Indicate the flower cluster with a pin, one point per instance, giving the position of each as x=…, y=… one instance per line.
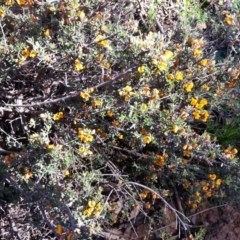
x=200, y=115
x=84, y=151
x=85, y=135
x=58, y=116
x=199, y=103
x=160, y=159
x=230, y=153
x=101, y=41
x=164, y=61
x=93, y=209
x=127, y=93
x=78, y=66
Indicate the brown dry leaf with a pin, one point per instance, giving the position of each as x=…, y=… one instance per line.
x=119, y=207
x=169, y=220
x=134, y=213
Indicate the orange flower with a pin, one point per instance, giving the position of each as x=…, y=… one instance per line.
x=2, y=13
x=212, y=176
x=59, y=229
x=170, y=76
x=7, y=160
x=109, y=113
x=204, y=62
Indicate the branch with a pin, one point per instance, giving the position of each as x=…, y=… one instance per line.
x=100, y=85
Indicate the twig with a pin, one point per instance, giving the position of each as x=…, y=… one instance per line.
x=4, y=37
x=75, y=94
x=178, y=214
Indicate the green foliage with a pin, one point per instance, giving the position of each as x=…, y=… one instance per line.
x=110, y=112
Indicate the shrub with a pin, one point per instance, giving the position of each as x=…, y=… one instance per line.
x=107, y=112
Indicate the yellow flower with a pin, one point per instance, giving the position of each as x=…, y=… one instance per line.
x=78, y=65
x=144, y=107
x=193, y=101
x=146, y=139
x=229, y=20
x=212, y=176
x=85, y=95
x=91, y=203
x=28, y=175
x=167, y=55
x=82, y=137
x=96, y=102
x=218, y=182
x=141, y=69
x=96, y=213
x=154, y=62
x=170, y=76
x=155, y=93
x=188, y=86
x=33, y=54
x=206, y=87
x=128, y=89
x=50, y=146
x=87, y=212
x=58, y=116
x=9, y=2
x=179, y=76
x=203, y=101
x=47, y=32
x=102, y=43
x=204, y=116
x=204, y=62
x=98, y=206
x=196, y=114
x=59, y=229
x=89, y=138
x=162, y=66
x=175, y=128
x=82, y=149
x=2, y=13
x=67, y=173
x=120, y=136
x=81, y=14
x=197, y=52
x=47, y=58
